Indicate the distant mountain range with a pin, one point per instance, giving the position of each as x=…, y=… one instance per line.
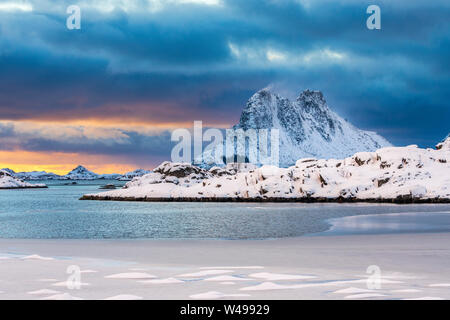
x=308, y=128
x=79, y=173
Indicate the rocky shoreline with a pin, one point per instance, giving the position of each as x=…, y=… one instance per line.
x=398, y=200
x=29, y=187
x=389, y=175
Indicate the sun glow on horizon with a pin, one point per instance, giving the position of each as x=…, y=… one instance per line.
x=61, y=163
x=23, y=133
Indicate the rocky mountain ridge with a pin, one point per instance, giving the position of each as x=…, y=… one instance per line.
x=307, y=128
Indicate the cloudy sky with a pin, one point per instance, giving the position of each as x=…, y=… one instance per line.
x=107, y=95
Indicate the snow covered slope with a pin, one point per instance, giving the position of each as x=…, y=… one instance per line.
x=110, y=176
x=7, y=181
x=37, y=175
x=133, y=174
x=81, y=173
x=10, y=171
x=444, y=144
x=307, y=128
x=33, y=175
x=394, y=174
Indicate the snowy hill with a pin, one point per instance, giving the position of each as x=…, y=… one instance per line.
x=7, y=181
x=11, y=172
x=307, y=128
x=391, y=174
x=110, y=176
x=133, y=174
x=81, y=173
x=33, y=175
x=37, y=175
x=444, y=144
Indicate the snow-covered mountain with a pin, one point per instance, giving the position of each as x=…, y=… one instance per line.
x=38, y=175
x=110, y=176
x=81, y=173
x=444, y=144
x=8, y=170
x=33, y=175
x=307, y=128
x=8, y=181
x=133, y=174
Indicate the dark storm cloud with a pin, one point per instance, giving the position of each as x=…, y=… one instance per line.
x=135, y=145
x=174, y=63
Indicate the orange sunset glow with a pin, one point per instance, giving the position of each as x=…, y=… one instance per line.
x=79, y=138
x=61, y=163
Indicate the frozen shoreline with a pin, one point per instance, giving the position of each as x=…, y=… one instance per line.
x=321, y=267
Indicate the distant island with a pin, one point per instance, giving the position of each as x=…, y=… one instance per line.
x=79, y=173
x=7, y=181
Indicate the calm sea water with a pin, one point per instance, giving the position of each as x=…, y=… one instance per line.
x=57, y=213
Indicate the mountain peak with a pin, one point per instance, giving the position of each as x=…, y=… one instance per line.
x=81, y=173
x=307, y=127
x=259, y=111
x=311, y=95
x=310, y=100
x=264, y=94
x=10, y=171
x=80, y=168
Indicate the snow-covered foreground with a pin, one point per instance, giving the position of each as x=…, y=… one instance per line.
x=401, y=266
x=9, y=182
x=394, y=174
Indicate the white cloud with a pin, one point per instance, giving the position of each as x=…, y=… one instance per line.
x=204, y=2
x=15, y=6
x=324, y=55
x=107, y=6
x=273, y=55
x=63, y=132
x=267, y=57
x=234, y=50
